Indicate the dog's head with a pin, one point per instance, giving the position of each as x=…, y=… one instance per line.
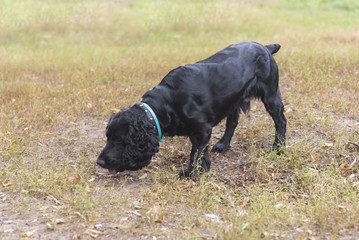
x=131, y=141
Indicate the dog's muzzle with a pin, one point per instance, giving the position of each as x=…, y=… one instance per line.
x=101, y=162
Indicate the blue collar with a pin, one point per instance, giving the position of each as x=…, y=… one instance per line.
x=155, y=119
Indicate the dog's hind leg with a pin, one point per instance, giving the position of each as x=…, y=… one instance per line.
x=274, y=106
x=232, y=120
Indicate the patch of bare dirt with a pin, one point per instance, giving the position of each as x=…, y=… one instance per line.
x=35, y=221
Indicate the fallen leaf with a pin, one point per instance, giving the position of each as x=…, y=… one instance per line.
x=77, y=178
x=48, y=134
x=6, y=184
x=327, y=145
x=60, y=221
x=341, y=207
x=80, y=215
x=304, y=219
x=143, y=176
x=93, y=219
x=345, y=169
x=93, y=233
x=159, y=219
x=216, y=186
x=27, y=234
x=42, y=144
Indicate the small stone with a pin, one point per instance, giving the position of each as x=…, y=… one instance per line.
x=98, y=227
x=49, y=226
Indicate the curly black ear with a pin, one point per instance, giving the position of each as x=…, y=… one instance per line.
x=142, y=139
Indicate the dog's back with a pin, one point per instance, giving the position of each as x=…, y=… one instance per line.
x=210, y=89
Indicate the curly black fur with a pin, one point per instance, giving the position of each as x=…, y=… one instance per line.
x=132, y=140
x=190, y=100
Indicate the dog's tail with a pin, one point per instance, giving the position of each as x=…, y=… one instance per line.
x=273, y=48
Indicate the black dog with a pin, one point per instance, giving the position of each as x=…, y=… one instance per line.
x=189, y=101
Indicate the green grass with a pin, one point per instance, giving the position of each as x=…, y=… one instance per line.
x=64, y=65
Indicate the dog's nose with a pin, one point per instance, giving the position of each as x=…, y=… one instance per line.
x=100, y=162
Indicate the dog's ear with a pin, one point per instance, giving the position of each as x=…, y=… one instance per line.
x=118, y=126
x=142, y=138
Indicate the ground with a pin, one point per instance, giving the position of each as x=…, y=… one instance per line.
x=42, y=218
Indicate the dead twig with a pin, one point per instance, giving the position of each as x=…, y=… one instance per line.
x=355, y=144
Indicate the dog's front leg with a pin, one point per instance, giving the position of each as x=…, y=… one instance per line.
x=200, y=161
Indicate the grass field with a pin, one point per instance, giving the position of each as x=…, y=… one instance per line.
x=64, y=65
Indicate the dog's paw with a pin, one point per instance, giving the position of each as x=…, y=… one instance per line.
x=278, y=149
x=192, y=174
x=183, y=174
x=219, y=148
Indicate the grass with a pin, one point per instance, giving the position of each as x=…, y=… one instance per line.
x=65, y=64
